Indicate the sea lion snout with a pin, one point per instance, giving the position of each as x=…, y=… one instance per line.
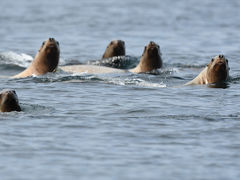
x=120, y=42
x=220, y=65
x=152, y=43
x=221, y=56
x=221, y=61
x=153, y=49
x=120, y=45
x=51, y=39
x=52, y=46
x=52, y=42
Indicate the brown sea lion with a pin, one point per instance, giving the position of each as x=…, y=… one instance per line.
x=150, y=60
x=115, y=48
x=46, y=60
x=217, y=71
x=9, y=101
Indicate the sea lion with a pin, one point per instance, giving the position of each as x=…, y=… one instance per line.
x=115, y=48
x=46, y=60
x=217, y=71
x=9, y=101
x=150, y=60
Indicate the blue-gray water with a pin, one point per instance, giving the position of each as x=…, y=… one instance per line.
x=121, y=126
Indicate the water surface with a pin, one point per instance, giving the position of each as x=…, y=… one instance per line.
x=121, y=126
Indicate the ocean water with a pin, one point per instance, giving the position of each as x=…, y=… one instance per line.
x=121, y=126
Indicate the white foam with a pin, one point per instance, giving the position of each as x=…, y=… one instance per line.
x=136, y=82
x=21, y=59
x=62, y=61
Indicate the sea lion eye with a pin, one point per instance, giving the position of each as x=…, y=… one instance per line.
x=212, y=59
x=43, y=43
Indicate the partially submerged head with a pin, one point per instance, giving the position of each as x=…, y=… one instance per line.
x=151, y=58
x=9, y=101
x=115, y=48
x=218, y=69
x=47, y=58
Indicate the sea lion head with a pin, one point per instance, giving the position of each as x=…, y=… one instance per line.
x=115, y=48
x=151, y=58
x=218, y=69
x=9, y=101
x=48, y=54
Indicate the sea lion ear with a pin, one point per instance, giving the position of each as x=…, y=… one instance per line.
x=212, y=59
x=227, y=61
x=111, y=42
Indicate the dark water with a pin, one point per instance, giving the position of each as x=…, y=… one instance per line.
x=121, y=126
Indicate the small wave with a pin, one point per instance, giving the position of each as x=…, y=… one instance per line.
x=59, y=77
x=15, y=59
x=222, y=85
x=10, y=67
x=163, y=71
x=135, y=82
x=33, y=109
x=234, y=79
x=126, y=79
x=179, y=65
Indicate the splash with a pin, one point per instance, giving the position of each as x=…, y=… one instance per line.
x=12, y=58
x=121, y=62
x=135, y=82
